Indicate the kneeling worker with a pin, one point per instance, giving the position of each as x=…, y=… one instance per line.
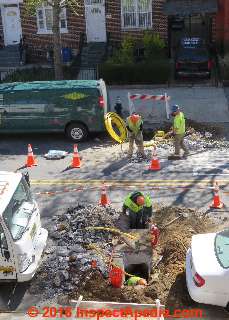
x=139, y=209
x=134, y=125
x=134, y=281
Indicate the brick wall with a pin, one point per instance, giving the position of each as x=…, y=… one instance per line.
x=39, y=44
x=159, y=21
x=222, y=24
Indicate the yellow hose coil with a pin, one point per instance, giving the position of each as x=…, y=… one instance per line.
x=112, y=119
x=128, y=235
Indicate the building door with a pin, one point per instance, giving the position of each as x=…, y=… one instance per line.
x=95, y=20
x=11, y=24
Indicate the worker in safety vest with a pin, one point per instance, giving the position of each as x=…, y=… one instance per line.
x=134, y=281
x=178, y=131
x=139, y=209
x=134, y=125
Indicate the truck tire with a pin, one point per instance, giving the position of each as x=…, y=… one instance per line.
x=76, y=131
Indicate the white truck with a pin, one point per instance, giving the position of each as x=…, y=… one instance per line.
x=22, y=240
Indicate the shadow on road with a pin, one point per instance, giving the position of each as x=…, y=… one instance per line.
x=16, y=144
x=11, y=295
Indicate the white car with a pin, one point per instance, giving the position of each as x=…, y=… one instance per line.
x=207, y=268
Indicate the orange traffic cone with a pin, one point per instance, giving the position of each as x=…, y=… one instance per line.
x=76, y=159
x=30, y=157
x=155, y=164
x=216, y=204
x=104, y=200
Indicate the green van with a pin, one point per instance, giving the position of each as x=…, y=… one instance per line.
x=72, y=106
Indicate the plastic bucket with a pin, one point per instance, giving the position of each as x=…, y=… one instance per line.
x=116, y=277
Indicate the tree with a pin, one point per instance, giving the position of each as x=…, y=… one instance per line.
x=57, y=5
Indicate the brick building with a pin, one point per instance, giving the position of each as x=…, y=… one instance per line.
x=96, y=19
x=222, y=25
x=100, y=19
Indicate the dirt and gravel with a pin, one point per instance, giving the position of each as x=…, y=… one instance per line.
x=167, y=279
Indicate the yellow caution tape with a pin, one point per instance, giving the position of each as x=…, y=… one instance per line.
x=112, y=120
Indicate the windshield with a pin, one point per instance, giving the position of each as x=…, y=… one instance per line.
x=19, y=211
x=222, y=248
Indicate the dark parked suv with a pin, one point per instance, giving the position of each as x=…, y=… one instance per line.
x=193, y=59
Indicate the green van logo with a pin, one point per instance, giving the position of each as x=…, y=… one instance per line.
x=75, y=96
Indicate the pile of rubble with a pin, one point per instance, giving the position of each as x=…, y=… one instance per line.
x=68, y=256
x=67, y=270
x=168, y=272
x=195, y=141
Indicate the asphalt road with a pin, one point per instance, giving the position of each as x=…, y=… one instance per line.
x=186, y=182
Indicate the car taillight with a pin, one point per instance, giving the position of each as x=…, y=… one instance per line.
x=209, y=64
x=177, y=65
x=101, y=102
x=198, y=280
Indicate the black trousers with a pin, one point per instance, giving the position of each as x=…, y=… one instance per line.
x=137, y=220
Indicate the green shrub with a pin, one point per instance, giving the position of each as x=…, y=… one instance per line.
x=124, y=55
x=154, y=46
x=142, y=73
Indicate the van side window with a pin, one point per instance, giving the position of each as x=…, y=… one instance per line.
x=3, y=241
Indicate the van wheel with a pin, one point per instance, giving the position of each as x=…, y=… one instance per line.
x=76, y=132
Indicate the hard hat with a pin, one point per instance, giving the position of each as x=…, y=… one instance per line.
x=175, y=108
x=142, y=282
x=140, y=200
x=134, y=117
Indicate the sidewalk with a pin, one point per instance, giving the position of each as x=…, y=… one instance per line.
x=201, y=104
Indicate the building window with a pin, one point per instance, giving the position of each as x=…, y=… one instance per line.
x=136, y=14
x=45, y=19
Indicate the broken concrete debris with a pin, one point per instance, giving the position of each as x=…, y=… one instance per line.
x=67, y=269
x=67, y=259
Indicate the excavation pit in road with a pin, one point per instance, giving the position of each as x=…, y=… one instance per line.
x=135, y=256
x=140, y=270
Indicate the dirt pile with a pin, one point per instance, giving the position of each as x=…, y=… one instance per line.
x=167, y=279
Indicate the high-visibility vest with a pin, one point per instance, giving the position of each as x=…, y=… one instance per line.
x=135, y=207
x=134, y=127
x=132, y=281
x=179, y=123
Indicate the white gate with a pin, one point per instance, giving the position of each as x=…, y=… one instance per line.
x=95, y=20
x=147, y=97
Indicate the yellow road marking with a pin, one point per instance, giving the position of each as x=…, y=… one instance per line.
x=125, y=182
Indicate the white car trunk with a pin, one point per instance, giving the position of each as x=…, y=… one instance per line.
x=203, y=255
